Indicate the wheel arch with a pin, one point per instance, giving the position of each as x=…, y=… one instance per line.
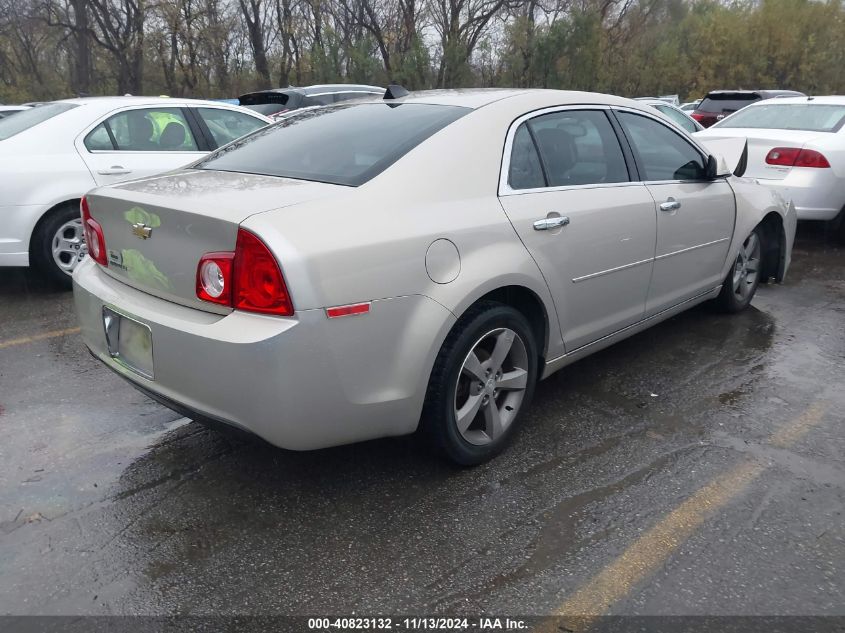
x=45, y=216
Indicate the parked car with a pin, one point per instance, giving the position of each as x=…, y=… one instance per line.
x=720, y=103
x=367, y=268
x=52, y=154
x=690, y=106
x=676, y=115
x=277, y=100
x=796, y=146
x=9, y=110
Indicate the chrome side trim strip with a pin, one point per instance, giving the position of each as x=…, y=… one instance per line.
x=611, y=270
x=691, y=248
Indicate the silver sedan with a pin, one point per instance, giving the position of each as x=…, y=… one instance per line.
x=414, y=263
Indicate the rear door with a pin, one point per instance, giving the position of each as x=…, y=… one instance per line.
x=567, y=191
x=695, y=218
x=139, y=141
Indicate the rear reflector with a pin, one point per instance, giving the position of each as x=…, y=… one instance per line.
x=796, y=157
x=94, y=238
x=349, y=310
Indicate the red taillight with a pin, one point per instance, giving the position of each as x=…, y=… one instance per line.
x=93, y=235
x=248, y=279
x=697, y=116
x=796, y=157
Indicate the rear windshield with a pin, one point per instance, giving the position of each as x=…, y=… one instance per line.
x=26, y=119
x=790, y=116
x=726, y=102
x=342, y=144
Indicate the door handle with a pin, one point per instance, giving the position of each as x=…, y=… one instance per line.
x=670, y=205
x=551, y=223
x=114, y=170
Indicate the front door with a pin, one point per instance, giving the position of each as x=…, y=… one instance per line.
x=695, y=217
x=591, y=230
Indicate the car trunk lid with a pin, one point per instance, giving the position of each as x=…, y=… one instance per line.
x=157, y=229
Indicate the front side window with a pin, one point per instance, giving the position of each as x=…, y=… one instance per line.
x=342, y=144
x=227, y=125
x=150, y=130
x=26, y=119
x=662, y=153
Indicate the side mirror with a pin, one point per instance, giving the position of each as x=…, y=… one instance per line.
x=712, y=168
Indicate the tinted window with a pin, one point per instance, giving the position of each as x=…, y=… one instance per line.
x=349, y=96
x=662, y=153
x=98, y=139
x=790, y=116
x=267, y=108
x=343, y=144
x=728, y=102
x=578, y=148
x=317, y=100
x=152, y=130
x=679, y=118
x=26, y=119
x=227, y=125
x=525, y=171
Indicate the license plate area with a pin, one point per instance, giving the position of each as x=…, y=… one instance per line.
x=129, y=342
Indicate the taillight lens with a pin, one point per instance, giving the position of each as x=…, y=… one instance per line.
x=697, y=116
x=796, y=157
x=248, y=279
x=94, y=237
x=214, y=278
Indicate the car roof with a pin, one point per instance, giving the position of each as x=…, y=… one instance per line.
x=762, y=93
x=133, y=100
x=822, y=100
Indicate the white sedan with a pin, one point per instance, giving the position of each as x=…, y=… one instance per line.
x=52, y=154
x=796, y=146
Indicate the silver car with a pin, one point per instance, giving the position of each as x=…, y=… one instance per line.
x=419, y=262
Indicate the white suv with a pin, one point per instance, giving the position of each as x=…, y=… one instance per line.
x=52, y=154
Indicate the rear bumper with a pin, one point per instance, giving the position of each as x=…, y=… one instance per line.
x=301, y=383
x=817, y=193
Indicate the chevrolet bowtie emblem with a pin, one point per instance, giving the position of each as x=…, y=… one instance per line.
x=139, y=229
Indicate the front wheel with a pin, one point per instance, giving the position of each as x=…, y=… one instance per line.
x=741, y=283
x=483, y=378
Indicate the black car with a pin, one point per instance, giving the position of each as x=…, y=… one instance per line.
x=270, y=102
x=720, y=103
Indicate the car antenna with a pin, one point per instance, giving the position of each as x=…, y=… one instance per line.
x=395, y=91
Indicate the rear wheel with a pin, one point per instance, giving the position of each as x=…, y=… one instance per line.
x=483, y=379
x=741, y=283
x=59, y=244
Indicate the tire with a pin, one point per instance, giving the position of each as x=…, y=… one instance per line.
x=837, y=227
x=743, y=278
x=59, y=230
x=453, y=387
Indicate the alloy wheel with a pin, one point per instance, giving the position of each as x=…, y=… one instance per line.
x=491, y=386
x=747, y=267
x=68, y=246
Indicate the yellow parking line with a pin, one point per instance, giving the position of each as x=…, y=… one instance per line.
x=38, y=337
x=643, y=557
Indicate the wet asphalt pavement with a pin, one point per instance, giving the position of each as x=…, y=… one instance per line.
x=697, y=468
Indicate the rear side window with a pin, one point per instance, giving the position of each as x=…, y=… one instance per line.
x=662, y=153
x=578, y=148
x=227, y=125
x=525, y=169
x=98, y=139
x=790, y=116
x=11, y=125
x=342, y=144
x=150, y=130
x=726, y=103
